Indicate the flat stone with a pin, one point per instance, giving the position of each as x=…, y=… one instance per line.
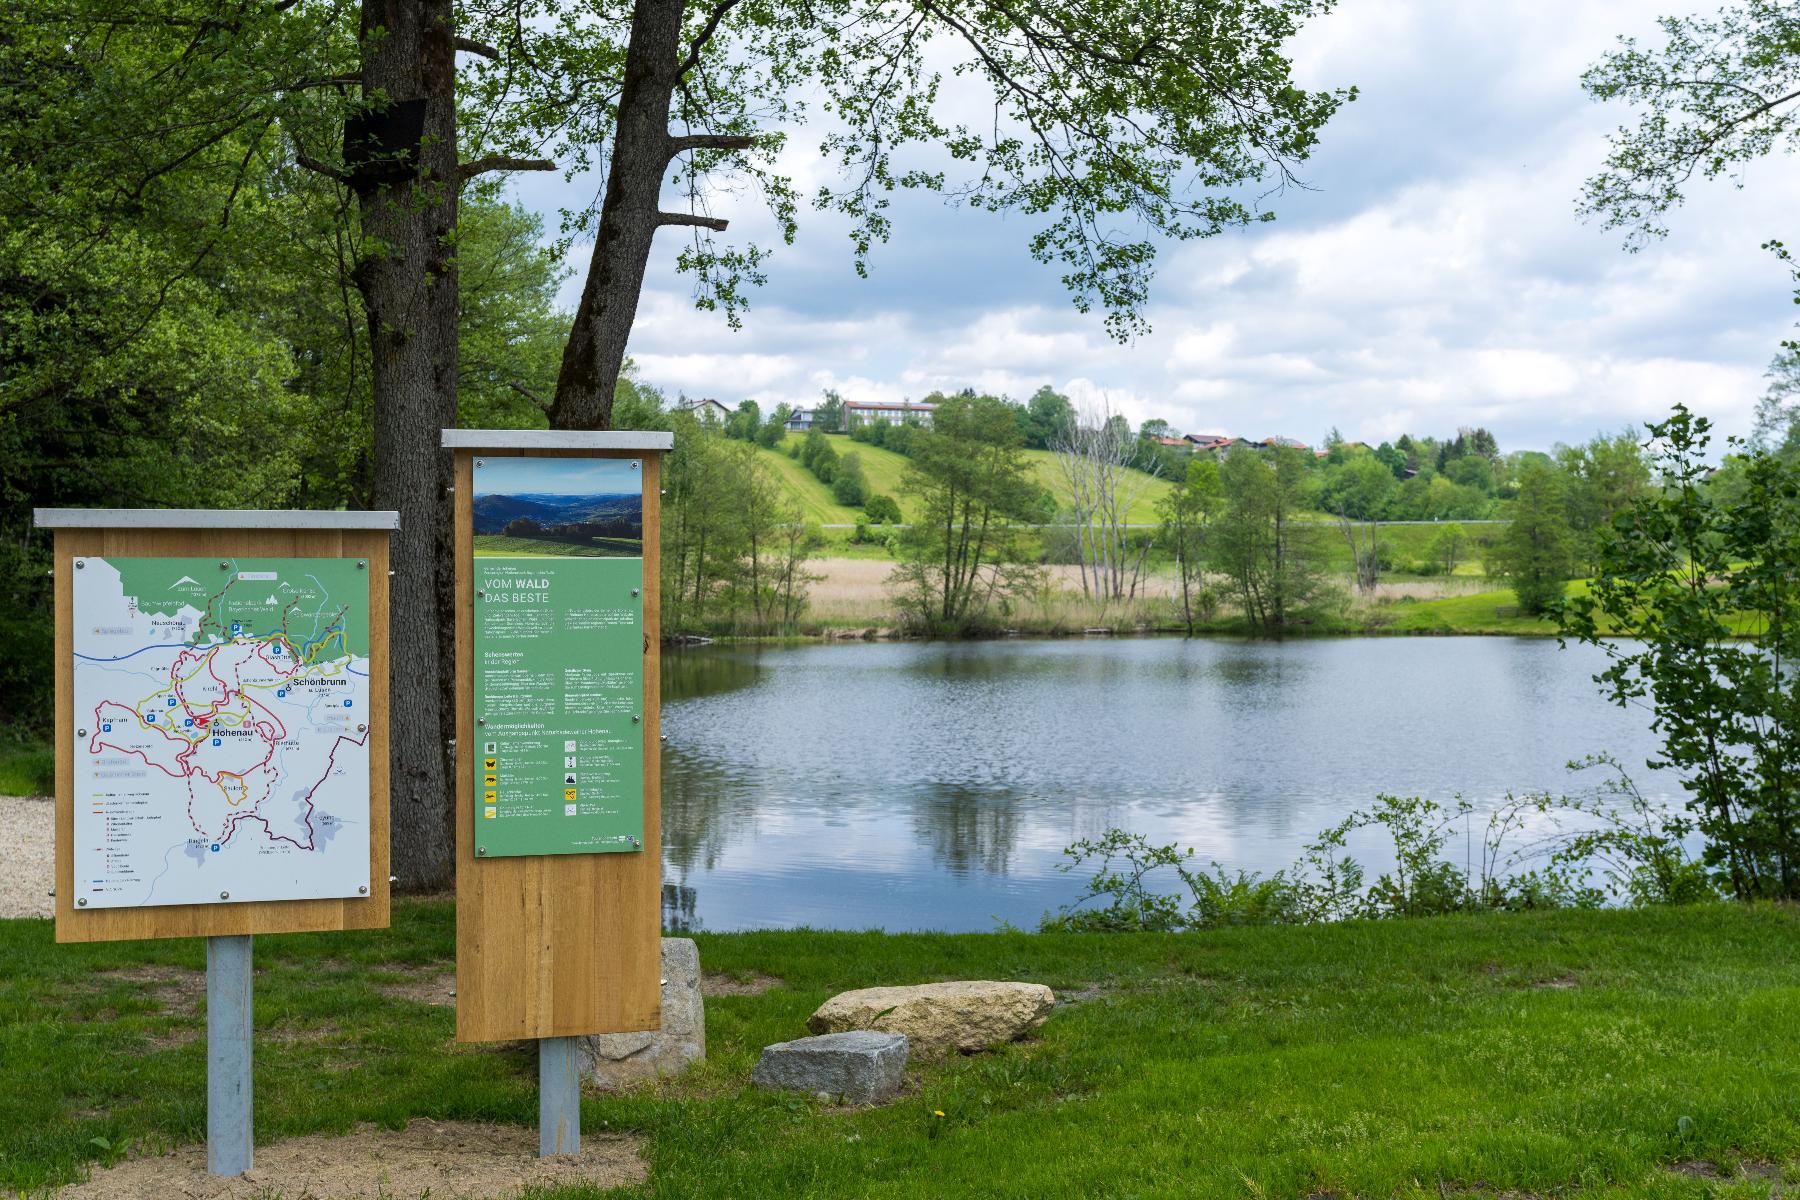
x=941, y=1018
x=858, y=1067
x=621, y=1059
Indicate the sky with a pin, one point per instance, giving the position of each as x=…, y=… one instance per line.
x=1434, y=275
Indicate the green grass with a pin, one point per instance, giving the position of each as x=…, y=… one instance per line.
x=884, y=469
x=1478, y=612
x=1563, y=1054
x=27, y=767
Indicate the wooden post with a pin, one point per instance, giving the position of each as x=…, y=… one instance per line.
x=555, y=945
x=134, y=904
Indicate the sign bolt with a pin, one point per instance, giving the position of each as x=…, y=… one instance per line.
x=361, y=563
x=634, y=591
x=363, y=890
x=362, y=729
x=79, y=564
x=81, y=903
x=481, y=849
x=480, y=592
x=224, y=895
x=481, y=720
x=635, y=464
x=81, y=733
x=478, y=462
x=636, y=717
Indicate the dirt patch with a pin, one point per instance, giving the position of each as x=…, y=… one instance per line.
x=1696, y=1168
x=422, y=985
x=745, y=983
x=448, y=1161
x=178, y=991
x=1562, y=983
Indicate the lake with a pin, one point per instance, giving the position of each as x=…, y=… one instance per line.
x=933, y=785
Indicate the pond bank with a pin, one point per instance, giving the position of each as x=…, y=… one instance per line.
x=1646, y=1053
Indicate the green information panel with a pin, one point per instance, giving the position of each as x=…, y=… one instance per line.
x=559, y=656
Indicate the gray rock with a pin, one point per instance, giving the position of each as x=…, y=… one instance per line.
x=622, y=1059
x=858, y=1067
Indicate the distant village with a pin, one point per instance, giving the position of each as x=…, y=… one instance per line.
x=918, y=412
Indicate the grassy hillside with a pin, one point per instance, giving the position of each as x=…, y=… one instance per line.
x=884, y=469
x=1586, y=1055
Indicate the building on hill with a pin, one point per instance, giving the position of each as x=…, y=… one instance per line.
x=1208, y=441
x=1283, y=443
x=800, y=420
x=706, y=409
x=1176, y=443
x=905, y=412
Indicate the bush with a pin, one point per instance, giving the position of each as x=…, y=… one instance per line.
x=848, y=485
x=881, y=510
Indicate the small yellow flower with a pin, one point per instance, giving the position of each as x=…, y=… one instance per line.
x=937, y=1112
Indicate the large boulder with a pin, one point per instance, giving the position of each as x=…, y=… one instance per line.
x=859, y=1067
x=622, y=1059
x=940, y=1018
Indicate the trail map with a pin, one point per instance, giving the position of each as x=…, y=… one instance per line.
x=222, y=714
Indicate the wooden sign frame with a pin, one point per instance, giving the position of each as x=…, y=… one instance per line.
x=191, y=533
x=554, y=946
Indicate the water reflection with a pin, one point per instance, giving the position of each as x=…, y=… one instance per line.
x=935, y=785
x=968, y=829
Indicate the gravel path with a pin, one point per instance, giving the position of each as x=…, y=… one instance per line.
x=26, y=825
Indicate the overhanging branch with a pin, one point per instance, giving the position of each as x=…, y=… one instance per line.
x=711, y=141
x=325, y=169
x=475, y=47
x=501, y=162
x=716, y=224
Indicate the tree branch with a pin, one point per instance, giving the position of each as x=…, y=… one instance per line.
x=711, y=27
x=716, y=224
x=530, y=395
x=325, y=169
x=711, y=141
x=500, y=162
x=475, y=47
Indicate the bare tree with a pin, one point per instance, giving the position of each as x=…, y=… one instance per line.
x=1096, y=454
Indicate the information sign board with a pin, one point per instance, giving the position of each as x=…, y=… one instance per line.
x=558, y=655
x=222, y=748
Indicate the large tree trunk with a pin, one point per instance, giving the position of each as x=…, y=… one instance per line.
x=629, y=217
x=408, y=284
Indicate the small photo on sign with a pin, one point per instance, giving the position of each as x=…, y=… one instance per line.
x=490, y=812
x=568, y=810
x=559, y=508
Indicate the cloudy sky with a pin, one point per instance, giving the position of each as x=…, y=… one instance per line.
x=1436, y=275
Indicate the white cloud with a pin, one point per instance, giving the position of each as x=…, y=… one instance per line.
x=1436, y=277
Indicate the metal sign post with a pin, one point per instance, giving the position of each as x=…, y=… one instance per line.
x=230, y=1146
x=558, y=868
x=235, y=782
x=559, y=1096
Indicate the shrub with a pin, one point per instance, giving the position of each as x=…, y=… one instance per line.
x=881, y=510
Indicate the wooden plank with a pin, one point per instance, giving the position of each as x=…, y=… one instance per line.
x=208, y=920
x=557, y=945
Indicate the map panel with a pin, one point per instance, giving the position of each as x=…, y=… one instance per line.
x=222, y=748
x=559, y=656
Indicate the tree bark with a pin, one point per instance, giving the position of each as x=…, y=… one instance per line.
x=408, y=283
x=629, y=218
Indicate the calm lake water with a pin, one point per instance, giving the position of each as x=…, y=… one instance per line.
x=934, y=785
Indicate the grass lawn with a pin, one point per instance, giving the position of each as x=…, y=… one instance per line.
x=1480, y=612
x=1643, y=1054
x=884, y=469
x=27, y=767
